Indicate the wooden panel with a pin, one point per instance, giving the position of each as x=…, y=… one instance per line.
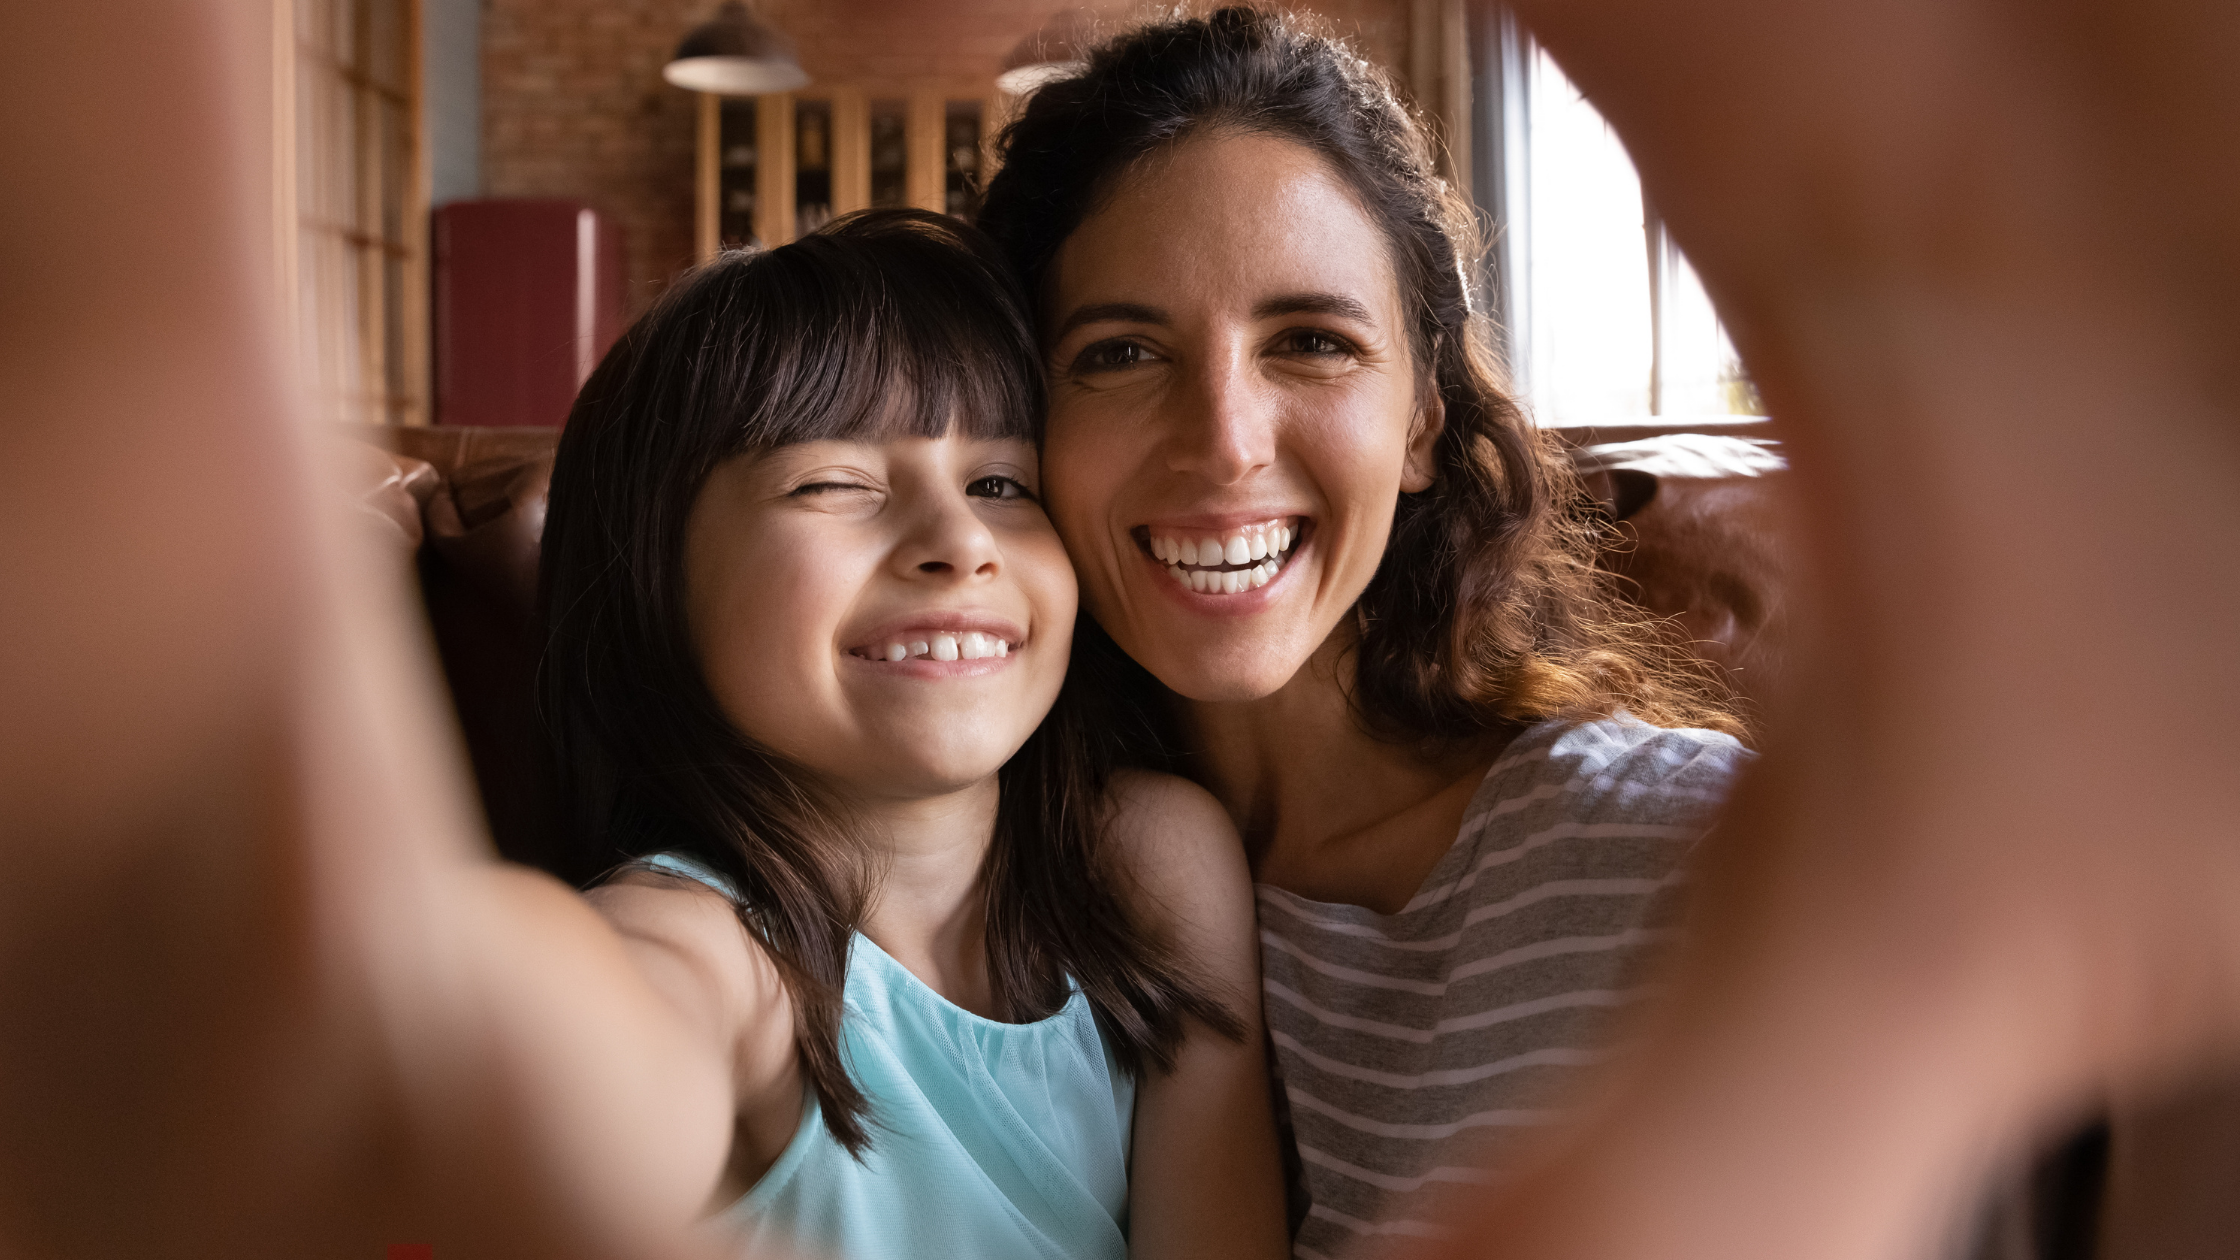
x=927, y=163
x=773, y=172
x=707, y=188
x=415, y=340
x=851, y=150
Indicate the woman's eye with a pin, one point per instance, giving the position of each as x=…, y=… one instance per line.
x=995, y=487
x=1309, y=341
x=1106, y=356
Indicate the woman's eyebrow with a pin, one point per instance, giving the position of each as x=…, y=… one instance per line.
x=1312, y=304
x=1116, y=312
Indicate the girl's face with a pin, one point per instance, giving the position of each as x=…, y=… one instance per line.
x=1234, y=410
x=893, y=616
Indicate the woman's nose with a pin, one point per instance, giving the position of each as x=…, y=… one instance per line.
x=1224, y=423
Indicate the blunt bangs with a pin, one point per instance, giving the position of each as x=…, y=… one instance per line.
x=877, y=328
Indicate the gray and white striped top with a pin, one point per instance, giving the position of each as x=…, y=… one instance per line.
x=1411, y=1044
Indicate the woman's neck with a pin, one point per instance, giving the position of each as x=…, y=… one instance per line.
x=926, y=909
x=1327, y=810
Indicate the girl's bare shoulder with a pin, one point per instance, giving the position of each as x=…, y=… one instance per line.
x=1176, y=852
x=688, y=939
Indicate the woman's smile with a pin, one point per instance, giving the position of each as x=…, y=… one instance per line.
x=1223, y=560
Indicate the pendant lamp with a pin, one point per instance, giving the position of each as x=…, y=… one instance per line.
x=732, y=54
x=1059, y=48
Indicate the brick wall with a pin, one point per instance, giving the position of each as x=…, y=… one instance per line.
x=573, y=104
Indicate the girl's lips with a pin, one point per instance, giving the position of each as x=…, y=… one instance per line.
x=927, y=668
x=940, y=636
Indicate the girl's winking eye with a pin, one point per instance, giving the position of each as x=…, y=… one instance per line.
x=824, y=486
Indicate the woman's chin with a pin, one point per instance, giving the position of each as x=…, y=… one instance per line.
x=1221, y=672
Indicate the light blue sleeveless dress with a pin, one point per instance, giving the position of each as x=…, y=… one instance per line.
x=988, y=1140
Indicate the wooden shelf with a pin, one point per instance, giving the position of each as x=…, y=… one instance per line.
x=947, y=132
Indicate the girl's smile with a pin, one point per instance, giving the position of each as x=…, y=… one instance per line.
x=942, y=645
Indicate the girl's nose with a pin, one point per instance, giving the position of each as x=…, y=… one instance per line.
x=948, y=539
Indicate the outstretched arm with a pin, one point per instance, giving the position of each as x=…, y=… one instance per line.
x=1204, y=1176
x=265, y=992
x=1981, y=260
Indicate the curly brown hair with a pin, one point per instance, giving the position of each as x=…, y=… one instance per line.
x=1488, y=608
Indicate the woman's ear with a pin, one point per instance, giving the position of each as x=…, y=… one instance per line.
x=1422, y=466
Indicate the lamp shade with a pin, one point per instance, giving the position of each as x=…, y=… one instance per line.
x=732, y=54
x=1059, y=48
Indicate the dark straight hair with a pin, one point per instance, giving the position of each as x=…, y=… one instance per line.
x=884, y=324
x=1488, y=609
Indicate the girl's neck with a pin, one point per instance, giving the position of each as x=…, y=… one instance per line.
x=927, y=910
x=1326, y=809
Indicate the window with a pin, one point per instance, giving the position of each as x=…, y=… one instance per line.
x=1602, y=319
x=357, y=255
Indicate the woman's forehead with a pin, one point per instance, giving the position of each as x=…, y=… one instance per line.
x=1237, y=217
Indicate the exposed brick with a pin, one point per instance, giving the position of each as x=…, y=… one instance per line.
x=574, y=105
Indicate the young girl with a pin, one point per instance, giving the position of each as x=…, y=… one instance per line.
x=950, y=986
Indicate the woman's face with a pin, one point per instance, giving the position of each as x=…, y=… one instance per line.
x=1234, y=410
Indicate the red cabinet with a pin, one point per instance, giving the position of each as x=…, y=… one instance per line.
x=528, y=296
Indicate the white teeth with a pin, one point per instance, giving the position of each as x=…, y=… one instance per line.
x=919, y=647
x=897, y=652
x=944, y=647
x=1003, y=647
x=1211, y=565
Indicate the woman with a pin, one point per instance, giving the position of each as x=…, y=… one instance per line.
x=1299, y=500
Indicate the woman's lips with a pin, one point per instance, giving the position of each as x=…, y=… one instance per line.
x=1227, y=561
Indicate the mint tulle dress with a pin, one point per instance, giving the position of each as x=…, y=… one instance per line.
x=988, y=1140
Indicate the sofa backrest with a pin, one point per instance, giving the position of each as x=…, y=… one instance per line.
x=1698, y=543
